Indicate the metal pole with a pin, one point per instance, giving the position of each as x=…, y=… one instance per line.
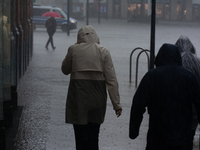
x=99, y=11
x=87, y=15
x=68, y=17
x=106, y=9
x=152, y=45
x=149, y=8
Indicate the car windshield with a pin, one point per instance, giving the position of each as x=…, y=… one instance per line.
x=62, y=13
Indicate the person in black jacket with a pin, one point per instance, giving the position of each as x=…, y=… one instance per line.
x=168, y=91
x=51, y=29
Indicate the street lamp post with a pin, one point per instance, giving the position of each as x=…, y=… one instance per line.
x=68, y=17
x=152, y=44
x=87, y=15
x=106, y=9
x=99, y=11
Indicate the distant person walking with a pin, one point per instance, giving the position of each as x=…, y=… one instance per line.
x=92, y=73
x=51, y=26
x=169, y=92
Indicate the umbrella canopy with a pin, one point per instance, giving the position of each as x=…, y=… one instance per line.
x=52, y=14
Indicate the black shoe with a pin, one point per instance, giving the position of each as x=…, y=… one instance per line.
x=46, y=48
x=54, y=48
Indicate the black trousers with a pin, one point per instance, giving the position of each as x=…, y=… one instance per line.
x=50, y=40
x=87, y=136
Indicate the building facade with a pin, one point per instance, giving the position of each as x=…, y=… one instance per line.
x=174, y=10
x=16, y=45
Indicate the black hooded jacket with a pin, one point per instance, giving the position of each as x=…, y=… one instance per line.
x=188, y=54
x=168, y=92
x=51, y=26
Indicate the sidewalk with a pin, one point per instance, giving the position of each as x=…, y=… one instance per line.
x=43, y=89
x=42, y=93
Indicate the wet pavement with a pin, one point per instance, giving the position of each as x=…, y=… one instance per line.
x=42, y=90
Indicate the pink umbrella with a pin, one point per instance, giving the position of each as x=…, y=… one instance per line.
x=52, y=14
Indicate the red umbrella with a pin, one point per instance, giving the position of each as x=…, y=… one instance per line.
x=52, y=14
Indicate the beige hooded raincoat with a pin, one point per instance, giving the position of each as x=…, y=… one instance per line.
x=92, y=72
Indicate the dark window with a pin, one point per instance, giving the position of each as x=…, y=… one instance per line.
x=39, y=11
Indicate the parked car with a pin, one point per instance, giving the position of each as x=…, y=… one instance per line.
x=39, y=20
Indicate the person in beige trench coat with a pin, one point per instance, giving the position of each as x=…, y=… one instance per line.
x=92, y=74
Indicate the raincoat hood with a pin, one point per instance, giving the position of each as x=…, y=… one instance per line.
x=87, y=34
x=188, y=54
x=185, y=45
x=168, y=54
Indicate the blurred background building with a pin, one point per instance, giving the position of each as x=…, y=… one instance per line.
x=16, y=45
x=174, y=10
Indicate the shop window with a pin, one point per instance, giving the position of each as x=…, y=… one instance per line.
x=39, y=12
x=196, y=12
x=117, y=8
x=93, y=10
x=166, y=12
x=135, y=11
x=6, y=51
x=163, y=11
x=181, y=11
x=1, y=60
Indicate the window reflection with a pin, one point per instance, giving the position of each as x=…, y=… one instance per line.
x=6, y=50
x=1, y=61
x=5, y=86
